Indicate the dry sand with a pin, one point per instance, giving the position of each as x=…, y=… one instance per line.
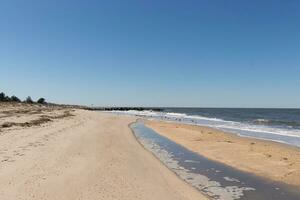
x=268, y=159
x=82, y=155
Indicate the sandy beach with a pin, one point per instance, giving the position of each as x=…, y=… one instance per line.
x=60, y=153
x=271, y=160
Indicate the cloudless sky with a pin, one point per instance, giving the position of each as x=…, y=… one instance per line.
x=200, y=53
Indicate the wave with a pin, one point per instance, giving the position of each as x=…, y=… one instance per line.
x=258, y=125
x=289, y=124
x=262, y=120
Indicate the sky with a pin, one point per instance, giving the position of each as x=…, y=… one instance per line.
x=192, y=53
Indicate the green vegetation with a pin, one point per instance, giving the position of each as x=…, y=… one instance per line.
x=29, y=100
x=41, y=101
x=4, y=98
x=15, y=99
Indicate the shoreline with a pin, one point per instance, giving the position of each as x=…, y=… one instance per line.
x=258, y=131
x=251, y=155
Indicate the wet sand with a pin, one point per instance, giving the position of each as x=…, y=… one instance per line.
x=84, y=155
x=271, y=160
x=216, y=180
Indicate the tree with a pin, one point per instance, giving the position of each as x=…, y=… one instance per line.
x=41, y=101
x=2, y=96
x=15, y=99
x=7, y=98
x=28, y=100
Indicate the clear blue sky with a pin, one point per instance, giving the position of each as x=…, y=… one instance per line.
x=206, y=53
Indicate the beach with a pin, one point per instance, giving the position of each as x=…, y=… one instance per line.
x=57, y=152
x=65, y=153
x=271, y=160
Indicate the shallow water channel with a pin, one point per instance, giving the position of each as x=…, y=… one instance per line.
x=216, y=180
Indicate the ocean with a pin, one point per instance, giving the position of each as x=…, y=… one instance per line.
x=280, y=125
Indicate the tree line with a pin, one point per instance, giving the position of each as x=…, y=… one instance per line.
x=13, y=98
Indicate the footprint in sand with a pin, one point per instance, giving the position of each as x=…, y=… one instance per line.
x=268, y=155
x=20, y=154
x=4, y=160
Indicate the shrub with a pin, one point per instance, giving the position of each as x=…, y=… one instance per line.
x=28, y=100
x=15, y=99
x=41, y=101
x=2, y=96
